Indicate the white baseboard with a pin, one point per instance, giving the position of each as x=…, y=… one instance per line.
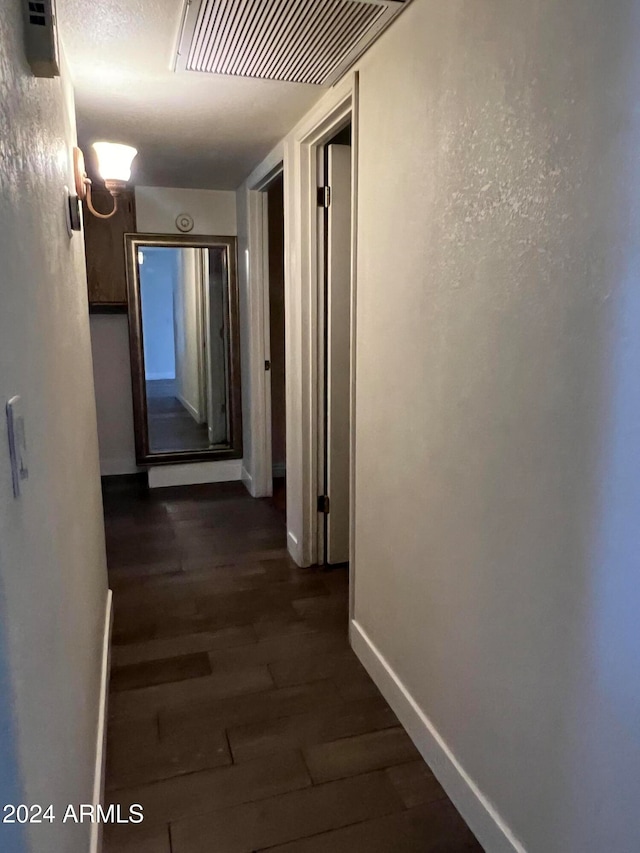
x=253, y=486
x=484, y=821
x=294, y=549
x=258, y=488
x=195, y=414
x=247, y=479
x=194, y=473
x=101, y=735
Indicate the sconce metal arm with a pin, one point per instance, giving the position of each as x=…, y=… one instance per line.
x=95, y=212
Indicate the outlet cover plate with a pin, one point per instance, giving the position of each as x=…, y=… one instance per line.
x=17, y=444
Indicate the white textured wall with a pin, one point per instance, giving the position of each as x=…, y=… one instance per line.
x=214, y=213
x=498, y=399
x=112, y=377
x=52, y=562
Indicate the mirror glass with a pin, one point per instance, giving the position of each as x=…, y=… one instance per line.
x=183, y=317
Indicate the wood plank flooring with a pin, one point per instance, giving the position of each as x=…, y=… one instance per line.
x=239, y=718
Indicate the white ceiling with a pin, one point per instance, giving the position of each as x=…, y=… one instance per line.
x=190, y=129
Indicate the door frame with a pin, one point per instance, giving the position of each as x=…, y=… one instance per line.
x=304, y=295
x=257, y=473
x=297, y=157
x=203, y=339
x=325, y=344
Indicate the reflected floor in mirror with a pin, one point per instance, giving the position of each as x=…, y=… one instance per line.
x=171, y=425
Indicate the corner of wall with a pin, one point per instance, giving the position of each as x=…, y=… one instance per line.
x=101, y=729
x=247, y=480
x=481, y=816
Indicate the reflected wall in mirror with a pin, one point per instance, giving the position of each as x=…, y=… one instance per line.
x=183, y=323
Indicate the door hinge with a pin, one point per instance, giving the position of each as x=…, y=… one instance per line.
x=267, y=365
x=324, y=196
x=323, y=504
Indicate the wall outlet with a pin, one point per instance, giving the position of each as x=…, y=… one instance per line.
x=17, y=444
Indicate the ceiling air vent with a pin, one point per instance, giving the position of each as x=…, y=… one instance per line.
x=296, y=41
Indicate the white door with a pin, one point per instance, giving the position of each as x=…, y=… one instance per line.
x=338, y=378
x=217, y=367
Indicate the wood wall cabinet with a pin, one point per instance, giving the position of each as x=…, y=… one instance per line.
x=104, y=248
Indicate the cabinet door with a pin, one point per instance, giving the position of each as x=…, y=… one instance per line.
x=104, y=247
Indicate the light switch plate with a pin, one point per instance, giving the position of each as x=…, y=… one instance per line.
x=17, y=444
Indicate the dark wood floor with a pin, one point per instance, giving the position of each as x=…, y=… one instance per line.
x=239, y=717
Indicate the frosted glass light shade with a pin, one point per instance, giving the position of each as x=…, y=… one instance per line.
x=114, y=160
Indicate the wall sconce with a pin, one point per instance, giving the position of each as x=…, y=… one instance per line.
x=114, y=165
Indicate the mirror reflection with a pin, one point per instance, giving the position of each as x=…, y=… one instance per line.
x=186, y=377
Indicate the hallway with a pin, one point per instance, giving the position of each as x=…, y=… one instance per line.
x=239, y=718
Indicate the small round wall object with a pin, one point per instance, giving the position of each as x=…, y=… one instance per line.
x=184, y=222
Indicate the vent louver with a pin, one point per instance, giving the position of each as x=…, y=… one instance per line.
x=41, y=37
x=297, y=41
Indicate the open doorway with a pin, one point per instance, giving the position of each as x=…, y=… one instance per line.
x=274, y=193
x=301, y=159
x=335, y=385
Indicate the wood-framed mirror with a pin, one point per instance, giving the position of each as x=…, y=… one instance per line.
x=185, y=347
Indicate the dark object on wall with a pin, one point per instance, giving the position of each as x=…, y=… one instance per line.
x=41, y=37
x=104, y=247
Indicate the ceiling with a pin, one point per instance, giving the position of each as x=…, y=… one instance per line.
x=191, y=130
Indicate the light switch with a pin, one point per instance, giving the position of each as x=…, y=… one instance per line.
x=17, y=444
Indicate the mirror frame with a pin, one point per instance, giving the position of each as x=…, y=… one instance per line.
x=144, y=455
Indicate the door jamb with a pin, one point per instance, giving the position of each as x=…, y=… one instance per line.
x=305, y=272
x=260, y=479
x=296, y=156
